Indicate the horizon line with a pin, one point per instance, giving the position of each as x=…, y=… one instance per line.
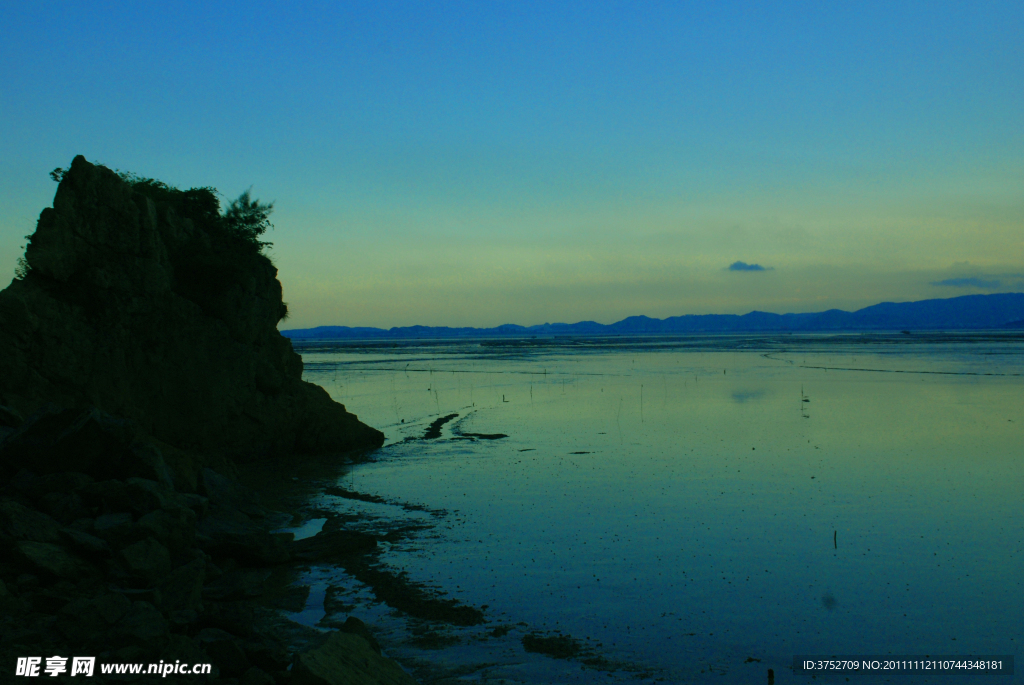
x=644, y=316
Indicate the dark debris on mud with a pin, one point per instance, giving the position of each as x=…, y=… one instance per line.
x=480, y=436
x=344, y=493
x=417, y=600
x=556, y=646
x=434, y=429
x=559, y=646
x=357, y=553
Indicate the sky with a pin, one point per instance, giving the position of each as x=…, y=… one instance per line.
x=480, y=163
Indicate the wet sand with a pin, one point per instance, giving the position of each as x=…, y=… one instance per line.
x=653, y=501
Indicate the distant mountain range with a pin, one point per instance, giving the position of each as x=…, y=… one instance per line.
x=970, y=312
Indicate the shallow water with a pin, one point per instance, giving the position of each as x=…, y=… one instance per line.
x=698, y=509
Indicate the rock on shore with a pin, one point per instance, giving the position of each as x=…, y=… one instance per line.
x=137, y=350
x=130, y=569
x=139, y=311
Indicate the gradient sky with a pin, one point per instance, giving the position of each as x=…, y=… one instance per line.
x=484, y=163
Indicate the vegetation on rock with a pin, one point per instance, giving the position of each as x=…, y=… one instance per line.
x=246, y=219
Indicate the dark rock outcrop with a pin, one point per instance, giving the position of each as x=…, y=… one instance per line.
x=138, y=350
x=138, y=571
x=142, y=312
x=346, y=658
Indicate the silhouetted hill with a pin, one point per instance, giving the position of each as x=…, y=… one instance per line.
x=149, y=310
x=969, y=312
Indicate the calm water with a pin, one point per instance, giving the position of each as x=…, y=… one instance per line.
x=686, y=506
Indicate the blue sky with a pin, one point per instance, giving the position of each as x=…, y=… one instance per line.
x=483, y=163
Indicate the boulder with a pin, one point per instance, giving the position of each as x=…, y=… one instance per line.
x=85, y=544
x=85, y=620
x=64, y=483
x=182, y=588
x=147, y=559
x=51, y=599
x=106, y=496
x=256, y=676
x=52, y=560
x=197, y=503
x=356, y=627
x=236, y=617
x=10, y=606
x=173, y=527
x=143, y=625
x=147, y=495
x=82, y=439
x=117, y=529
x=225, y=651
x=63, y=507
x=10, y=418
x=266, y=653
x=229, y=533
x=346, y=659
x=139, y=496
x=228, y=493
x=182, y=648
x=238, y=584
x=21, y=523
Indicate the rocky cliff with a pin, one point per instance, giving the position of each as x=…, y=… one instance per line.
x=139, y=313
x=148, y=310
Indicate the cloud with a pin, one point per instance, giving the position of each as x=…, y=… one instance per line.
x=969, y=283
x=743, y=266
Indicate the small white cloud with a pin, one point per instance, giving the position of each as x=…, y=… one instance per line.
x=743, y=266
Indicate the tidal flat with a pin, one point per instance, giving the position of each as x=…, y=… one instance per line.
x=694, y=509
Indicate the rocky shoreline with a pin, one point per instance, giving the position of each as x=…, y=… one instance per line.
x=141, y=378
x=129, y=569
x=155, y=432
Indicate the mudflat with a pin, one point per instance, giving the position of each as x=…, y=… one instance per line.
x=697, y=508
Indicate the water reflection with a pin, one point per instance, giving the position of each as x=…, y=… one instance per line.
x=742, y=396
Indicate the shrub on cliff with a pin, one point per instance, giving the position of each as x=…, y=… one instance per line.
x=246, y=219
x=249, y=218
x=219, y=258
